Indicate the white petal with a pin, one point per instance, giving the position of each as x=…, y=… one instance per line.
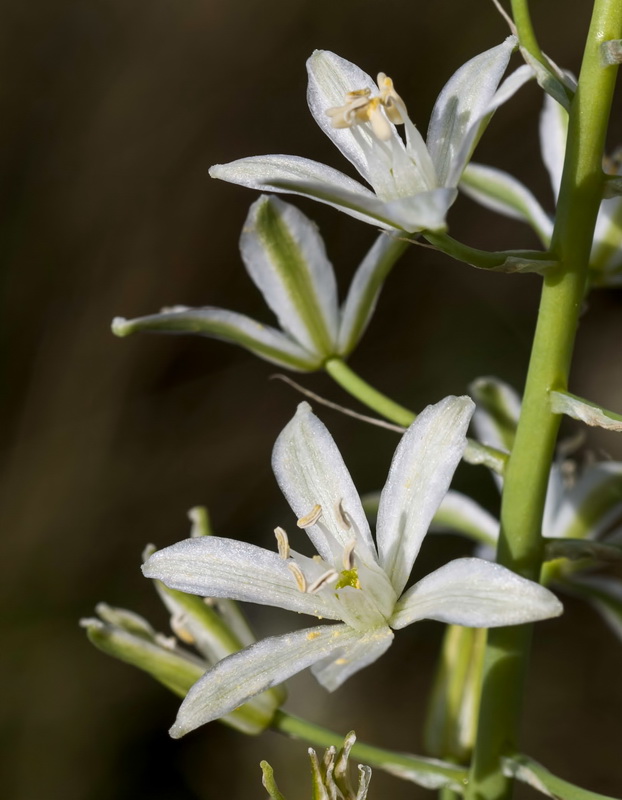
x=215, y=567
x=295, y=175
x=461, y=106
x=286, y=258
x=497, y=412
x=420, y=474
x=310, y=471
x=236, y=679
x=606, y=258
x=365, y=289
x=228, y=326
x=460, y=513
x=554, y=494
x=553, y=133
x=338, y=667
x=330, y=79
x=477, y=594
x=592, y=505
x=502, y=193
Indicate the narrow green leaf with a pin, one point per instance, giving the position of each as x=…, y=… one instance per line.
x=528, y=771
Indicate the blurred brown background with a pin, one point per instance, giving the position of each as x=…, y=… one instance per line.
x=113, y=110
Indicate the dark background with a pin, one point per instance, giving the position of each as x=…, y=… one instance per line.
x=112, y=112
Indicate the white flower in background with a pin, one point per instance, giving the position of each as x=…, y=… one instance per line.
x=356, y=583
x=285, y=257
x=581, y=504
x=506, y=195
x=414, y=182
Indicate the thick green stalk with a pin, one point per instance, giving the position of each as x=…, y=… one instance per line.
x=526, y=476
x=416, y=768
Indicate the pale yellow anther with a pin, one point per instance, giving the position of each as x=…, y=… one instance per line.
x=378, y=111
x=343, y=516
x=178, y=626
x=330, y=576
x=348, y=555
x=282, y=542
x=392, y=102
x=311, y=518
x=301, y=583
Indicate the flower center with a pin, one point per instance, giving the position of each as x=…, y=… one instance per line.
x=378, y=110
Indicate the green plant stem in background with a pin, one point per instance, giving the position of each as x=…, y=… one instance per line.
x=342, y=374
x=526, y=476
x=427, y=772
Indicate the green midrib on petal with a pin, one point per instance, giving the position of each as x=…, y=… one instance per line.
x=288, y=261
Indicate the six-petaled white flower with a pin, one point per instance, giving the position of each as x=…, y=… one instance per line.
x=357, y=583
x=414, y=182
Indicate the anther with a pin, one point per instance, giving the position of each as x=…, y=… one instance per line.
x=297, y=573
x=178, y=624
x=311, y=518
x=330, y=576
x=282, y=542
x=348, y=555
x=343, y=516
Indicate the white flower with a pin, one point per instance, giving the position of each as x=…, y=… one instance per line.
x=356, y=583
x=506, y=195
x=413, y=183
x=581, y=504
x=285, y=257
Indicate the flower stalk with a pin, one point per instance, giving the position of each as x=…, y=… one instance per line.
x=520, y=544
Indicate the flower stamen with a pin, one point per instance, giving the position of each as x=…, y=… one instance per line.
x=348, y=555
x=378, y=110
x=301, y=581
x=282, y=542
x=330, y=576
x=311, y=518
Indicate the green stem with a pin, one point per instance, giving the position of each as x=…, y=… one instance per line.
x=526, y=476
x=342, y=374
x=503, y=260
x=421, y=770
x=526, y=33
